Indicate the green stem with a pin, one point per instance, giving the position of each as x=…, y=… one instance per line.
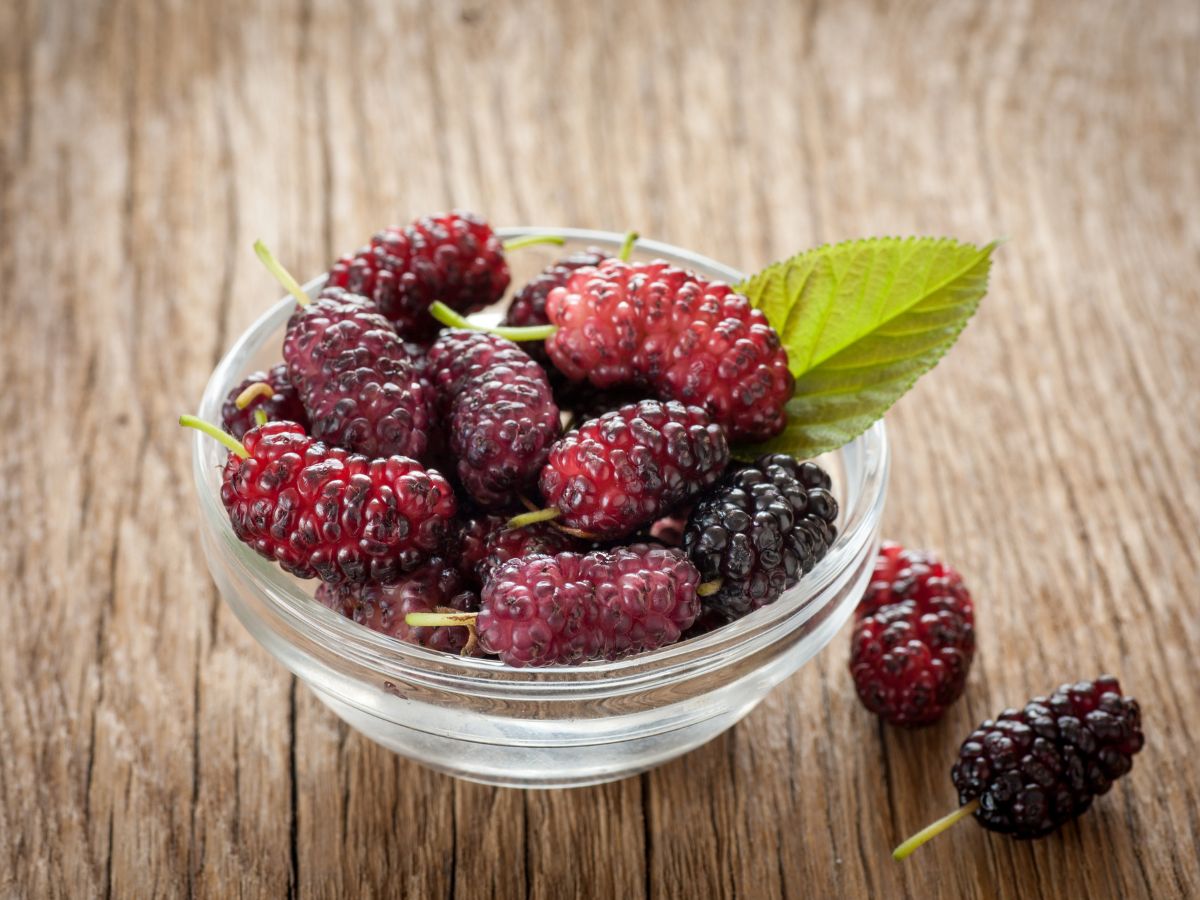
x=439, y=619
x=452, y=319
x=708, y=588
x=282, y=275
x=532, y=240
x=531, y=518
x=234, y=445
x=631, y=238
x=260, y=418
x=252, y=393
x=929, y=832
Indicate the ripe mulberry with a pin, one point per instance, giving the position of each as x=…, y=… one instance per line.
x=629, y=467
x=322, y=512
x=1036, y=768
x=1029, y=771
x=359, y=385
x=502, y=414
x=762, y=529
x=685, y=338
x=914, y=638
x=570, y=608
x=453, y=257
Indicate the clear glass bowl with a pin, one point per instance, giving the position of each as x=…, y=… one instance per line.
x=552, y=727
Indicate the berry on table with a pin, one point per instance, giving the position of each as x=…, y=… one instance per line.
x=682, y=336
x=502, y=415
x=434, y=586
x=570, y=608
x=320, y=511
x=270, y=393
x=627, y=468
x=759, y=531
x=453, y=257
x=914, y=638
x=1029, y=771
x=356, y=379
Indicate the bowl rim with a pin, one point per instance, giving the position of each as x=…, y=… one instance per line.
x=296, y=608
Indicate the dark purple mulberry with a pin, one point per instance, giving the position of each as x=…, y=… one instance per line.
x=502, y=414
x=1034, y=769
x=1031, y=770
x=763, y=528
x=357, y=381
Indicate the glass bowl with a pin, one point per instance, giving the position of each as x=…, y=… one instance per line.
x=551, y=727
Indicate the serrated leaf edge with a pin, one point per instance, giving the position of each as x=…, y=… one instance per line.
x=778, y=271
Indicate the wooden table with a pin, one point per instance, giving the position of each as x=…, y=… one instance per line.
x=149, y=746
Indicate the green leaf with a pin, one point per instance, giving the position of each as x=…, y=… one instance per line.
x=862, y=321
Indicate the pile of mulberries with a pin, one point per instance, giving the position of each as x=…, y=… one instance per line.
x=577, y=493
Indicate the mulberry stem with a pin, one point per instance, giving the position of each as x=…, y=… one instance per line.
x=440, y=619
x=534, y=516
x=282, y=275
x=708, y=588
x=228, y=440
x=448, y=617
x=252, y=393
x=533, y=240
x=452, y=319
x=549, y=514
x=631, y=238
x=932, y=830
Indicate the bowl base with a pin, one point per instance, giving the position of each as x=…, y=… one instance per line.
x=532, y=765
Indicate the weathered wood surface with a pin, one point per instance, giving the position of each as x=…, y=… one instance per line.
x=148, y=746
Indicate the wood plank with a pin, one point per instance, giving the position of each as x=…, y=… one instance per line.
x=151, y=747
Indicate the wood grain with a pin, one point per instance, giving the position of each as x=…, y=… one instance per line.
x=149, y=747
